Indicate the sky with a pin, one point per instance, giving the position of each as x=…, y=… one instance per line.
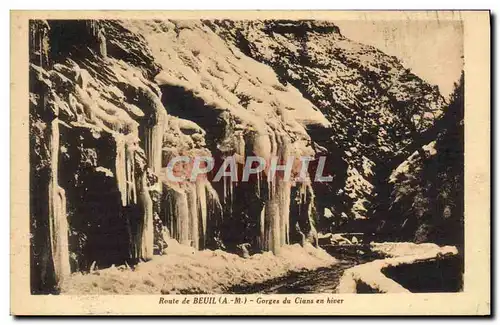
x=432, y=49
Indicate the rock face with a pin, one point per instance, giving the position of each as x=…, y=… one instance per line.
x=376, y=107
x=112, y=102
x=426, y=200
x=86, y=130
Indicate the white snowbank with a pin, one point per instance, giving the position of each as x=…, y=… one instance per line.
x=402, y=253
x=184, y=270
x=394, y=249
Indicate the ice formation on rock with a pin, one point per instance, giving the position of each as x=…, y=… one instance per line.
x=130, y=96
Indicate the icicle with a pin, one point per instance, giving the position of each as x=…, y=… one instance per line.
x=201, y=194
x=263, y=243
x=269, y=189
x=215, y=205
x=284, y=213
x=60, y=248
x=182, y=217
x=147, y=236
x=120, y=172
x=128, y=171
x=272, y=227
x=276, y=219
x=154, y=134
x=58, y=223
x=125, y=170
x=171, y=218
x=192, y=201
x=147, y=147
x=131, y=185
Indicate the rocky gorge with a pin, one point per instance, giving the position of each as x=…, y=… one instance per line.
x=112, y=102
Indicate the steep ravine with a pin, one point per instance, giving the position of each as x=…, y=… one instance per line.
x=112, y=102
x=377, y=107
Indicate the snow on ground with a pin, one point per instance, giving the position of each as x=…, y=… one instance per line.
x=392, y=249
x=183, y=270
x=398, y=254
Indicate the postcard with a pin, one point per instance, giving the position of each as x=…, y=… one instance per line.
x=250, y=163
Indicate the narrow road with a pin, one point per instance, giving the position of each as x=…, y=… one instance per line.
x=322, y=280
x=441, y=275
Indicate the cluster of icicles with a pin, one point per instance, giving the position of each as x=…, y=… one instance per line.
x=188, y=209
x=191, y=208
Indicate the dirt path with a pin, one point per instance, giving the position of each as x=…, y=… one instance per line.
x=324, y=279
